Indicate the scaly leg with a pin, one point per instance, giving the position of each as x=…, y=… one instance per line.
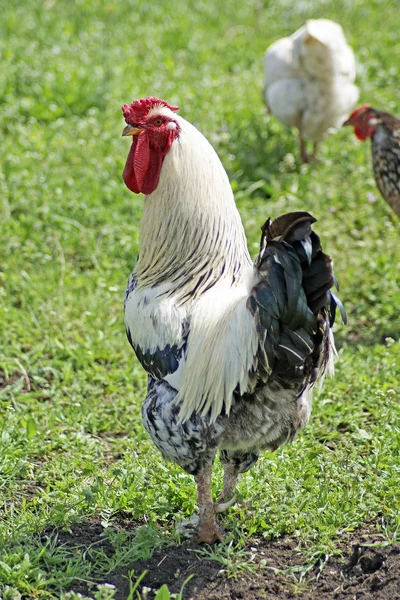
x=227, y=496
x=234, y=464
x=304, y=157
x=209, y=531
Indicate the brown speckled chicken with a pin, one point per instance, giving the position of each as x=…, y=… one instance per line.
x=384, y=131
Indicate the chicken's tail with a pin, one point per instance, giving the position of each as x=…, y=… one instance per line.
x=293, y=302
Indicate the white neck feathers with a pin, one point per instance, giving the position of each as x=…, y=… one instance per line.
x=191, y=232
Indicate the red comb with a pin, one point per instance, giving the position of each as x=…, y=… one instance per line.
x=137, y=111
x=359, y=110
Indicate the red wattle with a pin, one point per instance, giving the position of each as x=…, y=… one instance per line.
x=361, y=134
x=143, y=166
x=129, y=171
x=153, y=172
x=141, y=159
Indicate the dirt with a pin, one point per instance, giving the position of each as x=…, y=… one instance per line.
x=366, y=568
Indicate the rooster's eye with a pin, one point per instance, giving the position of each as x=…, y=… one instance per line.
x=158, y=122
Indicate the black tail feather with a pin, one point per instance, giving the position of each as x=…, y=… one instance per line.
x=318, y=277
x=293, y=302
x=290, y=227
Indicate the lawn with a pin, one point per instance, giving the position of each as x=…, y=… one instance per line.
x=74, y=457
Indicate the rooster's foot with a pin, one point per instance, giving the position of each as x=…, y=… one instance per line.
x=210, y=533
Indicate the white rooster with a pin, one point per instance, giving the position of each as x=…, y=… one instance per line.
x=232, y=348
x=309, y=80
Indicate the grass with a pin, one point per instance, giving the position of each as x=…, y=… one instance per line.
x=72, y=446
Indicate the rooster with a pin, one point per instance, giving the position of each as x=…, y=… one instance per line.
x=309, y=80
x=384, y=131
x=232, y=348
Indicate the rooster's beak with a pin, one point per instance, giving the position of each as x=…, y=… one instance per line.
x=345, y=124
x=131, y=130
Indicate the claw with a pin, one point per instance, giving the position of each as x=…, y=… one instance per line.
x=223, y=506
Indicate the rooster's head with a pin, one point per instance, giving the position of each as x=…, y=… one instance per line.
x=364, y=120
x=151, y=124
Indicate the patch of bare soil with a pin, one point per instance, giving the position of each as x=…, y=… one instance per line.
x=365, y=570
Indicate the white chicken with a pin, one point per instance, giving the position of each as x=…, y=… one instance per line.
x=309, y=80
x=232, y=347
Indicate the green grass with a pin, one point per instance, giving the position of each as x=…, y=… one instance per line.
x=72, y=444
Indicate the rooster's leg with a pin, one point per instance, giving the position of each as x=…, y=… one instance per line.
x=234, y=464
x=227, y=496
x=208, y=528
x=304, y=157
x=314, y=154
